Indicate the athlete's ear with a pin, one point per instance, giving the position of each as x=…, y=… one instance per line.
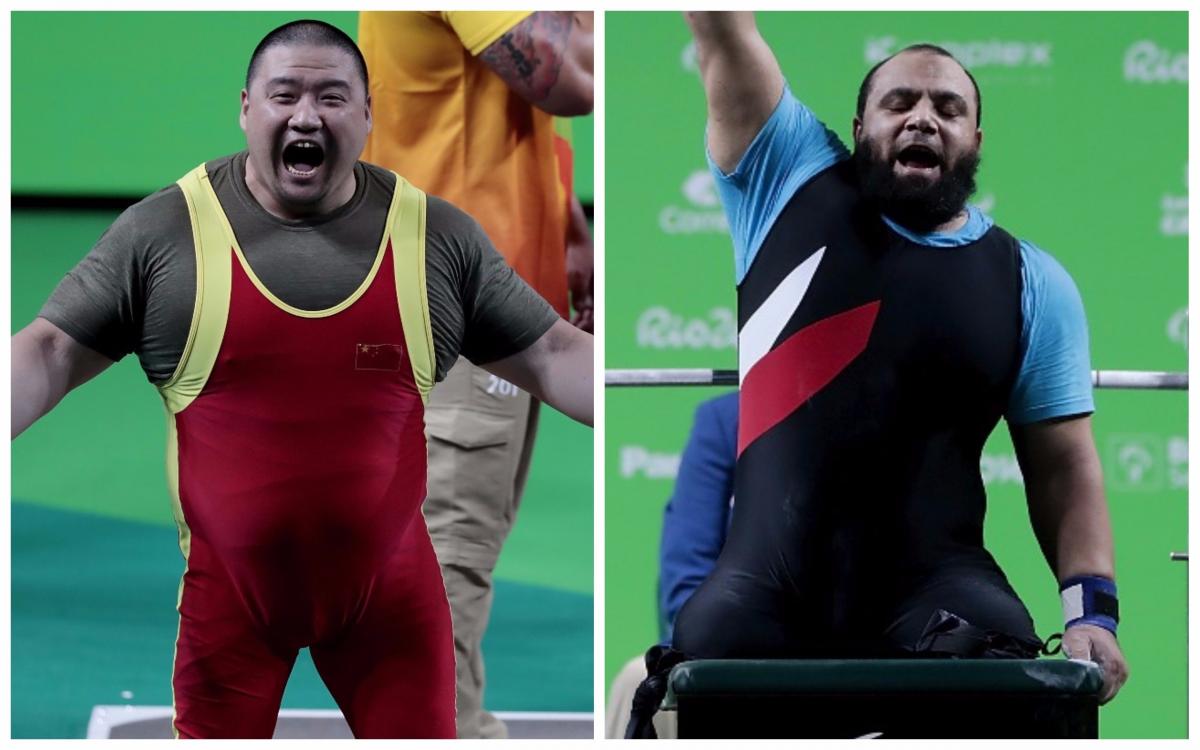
x=245, y=106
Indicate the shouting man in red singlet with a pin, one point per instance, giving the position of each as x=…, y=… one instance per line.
x=294, y=306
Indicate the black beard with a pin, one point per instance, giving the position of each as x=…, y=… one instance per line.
x=914, y=202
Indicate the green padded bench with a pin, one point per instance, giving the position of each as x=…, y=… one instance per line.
x=918, y=698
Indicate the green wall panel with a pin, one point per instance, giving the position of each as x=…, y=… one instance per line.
x=123, y=103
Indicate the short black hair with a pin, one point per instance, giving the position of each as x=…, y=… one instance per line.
x=309, y=31
x=865, y=88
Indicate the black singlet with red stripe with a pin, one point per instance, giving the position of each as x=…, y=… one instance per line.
x=862, y=425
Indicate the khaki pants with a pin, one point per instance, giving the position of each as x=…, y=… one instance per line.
x=481, y=431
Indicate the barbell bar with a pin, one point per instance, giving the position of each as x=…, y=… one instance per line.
x=1151, y=380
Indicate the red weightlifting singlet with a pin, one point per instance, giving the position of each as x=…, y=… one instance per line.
x=299, y=471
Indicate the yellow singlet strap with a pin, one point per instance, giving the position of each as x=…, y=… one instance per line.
x=407, y=231
x=213, y=240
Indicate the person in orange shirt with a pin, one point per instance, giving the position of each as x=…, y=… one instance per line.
x=469, y=106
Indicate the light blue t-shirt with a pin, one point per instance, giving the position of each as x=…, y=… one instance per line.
x=793, y=146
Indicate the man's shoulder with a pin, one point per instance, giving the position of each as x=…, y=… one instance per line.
x=1035, y=253
x=1045, y=276
x=446, y=219
x=379, y=177
x=443, y=219
x=163, y=215
x=163, y=212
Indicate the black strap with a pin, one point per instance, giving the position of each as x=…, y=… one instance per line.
x=660, y=660
x=948, y=635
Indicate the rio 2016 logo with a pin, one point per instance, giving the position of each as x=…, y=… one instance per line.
x=1177, y=327
x=1146, y=62
x=1174, y=221
x=660, y=328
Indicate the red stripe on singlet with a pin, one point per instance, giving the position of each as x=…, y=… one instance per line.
x=791, y=373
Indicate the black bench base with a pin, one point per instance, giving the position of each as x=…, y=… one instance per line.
x=959, y=699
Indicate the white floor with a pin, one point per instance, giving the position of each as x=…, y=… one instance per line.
x=154, y=722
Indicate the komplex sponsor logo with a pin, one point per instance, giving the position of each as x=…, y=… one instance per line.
x=661, y=328
x=978, y=53
x=703, y=215
x=1174, y=222
x=1000, y=468
x=638, y=460
x=1146, y=62
x=1177, y=327
x=1147, y=463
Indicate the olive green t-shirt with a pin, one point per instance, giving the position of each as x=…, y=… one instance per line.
x=135, y=291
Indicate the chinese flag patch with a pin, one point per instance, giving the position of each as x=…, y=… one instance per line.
x=385, y=357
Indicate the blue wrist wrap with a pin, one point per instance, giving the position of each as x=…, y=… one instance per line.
x=1091, y=600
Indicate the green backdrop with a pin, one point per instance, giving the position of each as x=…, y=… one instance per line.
x=1085, y=154
x=120, y=104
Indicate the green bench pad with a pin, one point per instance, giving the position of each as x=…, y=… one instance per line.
x=786, y=676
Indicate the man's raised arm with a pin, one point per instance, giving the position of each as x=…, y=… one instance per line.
x=46, y=365
x=557, y=368
x=742, y=80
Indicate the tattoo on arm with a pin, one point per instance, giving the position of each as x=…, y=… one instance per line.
x=530, y=55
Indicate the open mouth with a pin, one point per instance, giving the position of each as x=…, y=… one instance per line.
x=918, y=157
x=302, y=158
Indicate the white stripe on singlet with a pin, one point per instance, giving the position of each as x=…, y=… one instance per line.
x=759, y=333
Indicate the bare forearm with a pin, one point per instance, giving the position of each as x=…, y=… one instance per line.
x=583, y=53
x=577, y=75
x=37, y=386
x=1070, y=517
x=557, y=369
x=566, y=379
x=713, y=27
x=546, y=59
x=46, y=365
x=1064, y=485
x=735, y=62
x=577, y=223
x=580, y=267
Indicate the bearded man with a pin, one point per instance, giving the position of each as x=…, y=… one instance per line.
x=885, y=327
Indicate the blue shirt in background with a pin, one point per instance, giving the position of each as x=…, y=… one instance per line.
x=696, y=518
